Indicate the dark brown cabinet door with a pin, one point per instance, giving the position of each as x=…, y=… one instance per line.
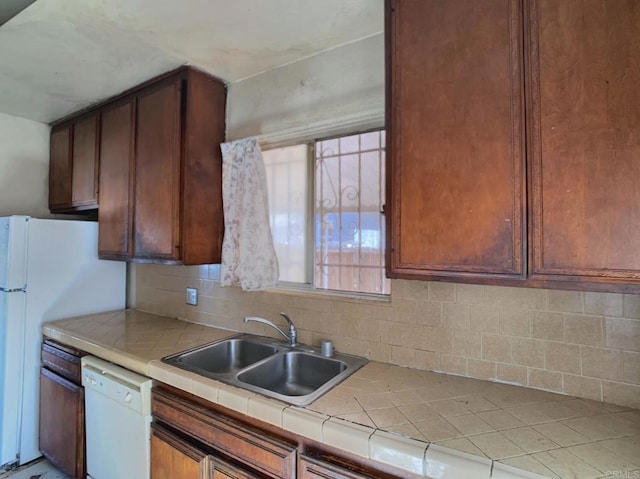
x=157, y=173
x=62, y=439
x=456, y=170
x=60, y=168
x=115, y=215
x=85, y=163
x=314, y=468
x=585, y=146
x=173, y=458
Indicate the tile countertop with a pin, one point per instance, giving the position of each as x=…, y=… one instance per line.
x=434, y=425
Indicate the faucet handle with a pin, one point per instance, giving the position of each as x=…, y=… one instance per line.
x=293, y=332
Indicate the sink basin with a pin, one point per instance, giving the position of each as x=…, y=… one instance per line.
x=297, y=375
x=226, y=356
x=293, y=373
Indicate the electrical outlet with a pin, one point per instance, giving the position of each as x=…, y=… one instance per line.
x=192, y=296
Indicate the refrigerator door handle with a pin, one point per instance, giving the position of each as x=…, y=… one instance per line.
x=14, y=290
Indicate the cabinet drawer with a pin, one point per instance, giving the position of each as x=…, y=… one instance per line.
x=256, y=449
x=65, y=363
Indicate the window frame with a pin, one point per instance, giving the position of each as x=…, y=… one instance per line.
x=308, y=287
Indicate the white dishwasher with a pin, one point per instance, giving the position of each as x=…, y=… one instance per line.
x=118, y=421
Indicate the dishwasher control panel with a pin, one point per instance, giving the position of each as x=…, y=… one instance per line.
x=118, y=384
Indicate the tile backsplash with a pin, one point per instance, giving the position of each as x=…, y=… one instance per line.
x=579, y=343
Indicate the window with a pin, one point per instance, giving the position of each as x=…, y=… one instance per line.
x=326, y=200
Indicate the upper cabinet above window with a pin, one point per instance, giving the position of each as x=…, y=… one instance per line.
x=479, y=193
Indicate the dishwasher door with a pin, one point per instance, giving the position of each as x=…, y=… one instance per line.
x=118, y=421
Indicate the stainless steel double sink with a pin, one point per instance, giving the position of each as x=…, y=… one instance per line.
x=297, y=375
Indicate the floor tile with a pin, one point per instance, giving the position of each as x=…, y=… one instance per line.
x=496, y=446
x=40, y=469
x=567, y=465
x=529, y=439
x=437, y=430
x=561, y=434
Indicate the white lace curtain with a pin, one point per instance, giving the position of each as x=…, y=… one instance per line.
x=248, y=256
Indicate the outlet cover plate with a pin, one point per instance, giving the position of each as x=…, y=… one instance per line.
x=192, y=296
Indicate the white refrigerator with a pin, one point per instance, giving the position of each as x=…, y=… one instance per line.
x=49, y=269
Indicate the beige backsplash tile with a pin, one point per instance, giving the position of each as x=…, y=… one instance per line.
x=602, y=363
x=547, y=380
x=562, y=357
x=584, y=344
x=582, y=387
x=631, y=367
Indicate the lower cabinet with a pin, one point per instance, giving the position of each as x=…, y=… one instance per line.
x=62, y=432
x=235, y=449
x=172, y=457
x=314, y=468
x=195, y=439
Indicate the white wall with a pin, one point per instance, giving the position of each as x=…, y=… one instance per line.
x=308, y=98
x=24, y=167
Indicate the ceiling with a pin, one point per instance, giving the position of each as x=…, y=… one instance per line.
x=59, y=56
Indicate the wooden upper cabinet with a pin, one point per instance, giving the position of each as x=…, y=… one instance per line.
x=84, y=184
x=157, y=173
x=60, y=168
x=116, y=166
x=73, y=167
x=585, y=140
x=161, y=171
x=455, y=116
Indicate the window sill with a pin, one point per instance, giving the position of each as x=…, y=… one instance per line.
x=306, y=290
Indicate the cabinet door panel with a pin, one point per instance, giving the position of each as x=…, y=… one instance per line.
x=225, y=470
x=60, y=169
x=255, y=449
x=85, y=162
x=172, y=458
x=455, y=108
x=116, y=166
x=157, y=173
x=585, y=148
x=62, y=423
x=312, y=468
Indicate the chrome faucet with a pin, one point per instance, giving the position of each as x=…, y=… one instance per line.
x=292, y=337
